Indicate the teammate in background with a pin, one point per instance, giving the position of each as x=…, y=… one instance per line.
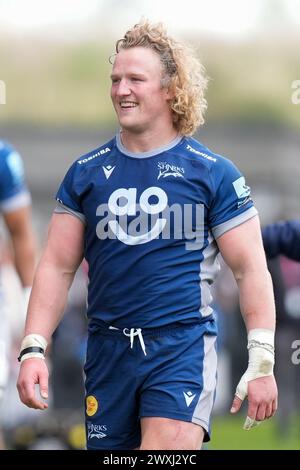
x=150, y=210
x=15, y=205
x=282, y=238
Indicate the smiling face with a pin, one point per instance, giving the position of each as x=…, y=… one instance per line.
x=140, y=101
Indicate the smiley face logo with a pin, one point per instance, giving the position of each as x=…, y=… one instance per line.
x=91, y=405
x=130, y=207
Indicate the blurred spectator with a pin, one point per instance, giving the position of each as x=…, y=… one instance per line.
x=15, y=206
x=283, y=238
x=280, y=238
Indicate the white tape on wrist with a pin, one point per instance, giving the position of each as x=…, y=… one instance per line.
x=261, y=364
x=261, y=359
x=33, y=341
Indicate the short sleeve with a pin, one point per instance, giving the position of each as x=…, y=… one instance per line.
x=14, y=193
x=68, y=193
x=232, y=204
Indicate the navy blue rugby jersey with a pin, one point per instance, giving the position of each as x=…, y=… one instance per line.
x=151, y=221
x=282, y=238
x=13, y=191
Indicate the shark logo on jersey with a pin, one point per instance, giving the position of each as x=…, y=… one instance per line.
x=240, y=187
x=165, y=169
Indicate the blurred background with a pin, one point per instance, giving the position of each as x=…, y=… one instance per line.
x=54, y=65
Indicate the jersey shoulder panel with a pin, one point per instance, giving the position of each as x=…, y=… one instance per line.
x=77, y=178
x=94, y=156
x=220, y=166
x=229, y=194
x=195, y=150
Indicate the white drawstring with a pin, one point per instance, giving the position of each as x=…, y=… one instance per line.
x=135, y=332
x=132, y=333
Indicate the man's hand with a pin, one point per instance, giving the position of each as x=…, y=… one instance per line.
x=258, y=382
x=262, y=401
x=33, y=371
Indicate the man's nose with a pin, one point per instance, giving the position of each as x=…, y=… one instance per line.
x=123, y=88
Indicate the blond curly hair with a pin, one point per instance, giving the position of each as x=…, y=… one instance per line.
x=183, y=74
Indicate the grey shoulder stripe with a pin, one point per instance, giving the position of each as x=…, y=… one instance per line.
x=238, y=220
x=62, y=209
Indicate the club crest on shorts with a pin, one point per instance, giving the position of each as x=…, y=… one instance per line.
x=91, y=405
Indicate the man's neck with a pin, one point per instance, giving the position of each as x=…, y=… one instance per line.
x=146, y=141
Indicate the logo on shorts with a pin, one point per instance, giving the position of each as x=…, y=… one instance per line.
x=96, y=430
x=91, y=405
x=189, y=397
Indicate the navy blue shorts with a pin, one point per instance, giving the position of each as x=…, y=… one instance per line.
x=175, y=379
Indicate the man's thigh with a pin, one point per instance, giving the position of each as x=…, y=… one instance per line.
x=179, y=389
x=167, y=434
x=111, y=406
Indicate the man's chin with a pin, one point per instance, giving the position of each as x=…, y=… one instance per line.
x=133, y=127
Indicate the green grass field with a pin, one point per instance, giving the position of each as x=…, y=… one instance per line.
x=227, y=434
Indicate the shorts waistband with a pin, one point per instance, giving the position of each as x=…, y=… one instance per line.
x=99, y=326
x=112, y=330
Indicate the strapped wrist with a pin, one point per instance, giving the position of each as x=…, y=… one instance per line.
x=261, y=338
x=261, y=352
x=261, y=358
x=33, y=345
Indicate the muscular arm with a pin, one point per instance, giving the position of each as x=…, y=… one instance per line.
x=242, y=250
x=61, y=258
x=18, y=223
x=56, y=270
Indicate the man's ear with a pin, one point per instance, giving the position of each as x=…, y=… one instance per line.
x=168, y=87
x=169, y=92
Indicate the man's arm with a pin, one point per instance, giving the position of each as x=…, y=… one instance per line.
x=60, y=260
x=18, y=223
x=242, y=249
x=282, y=238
